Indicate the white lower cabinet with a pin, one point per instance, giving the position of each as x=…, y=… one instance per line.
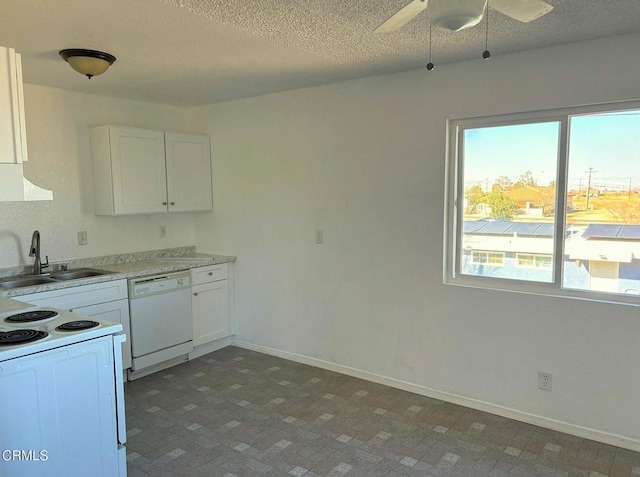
x=115, y=312
x=210, y=304
x=104, y=301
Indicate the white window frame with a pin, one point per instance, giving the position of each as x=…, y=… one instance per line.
x=454, y=191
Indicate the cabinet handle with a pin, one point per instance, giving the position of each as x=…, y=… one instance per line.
x=195, y=294
x=210, y=274
x=164, y=203
x=173, y=203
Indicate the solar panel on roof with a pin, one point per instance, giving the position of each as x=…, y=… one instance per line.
x=544, y=230
x=629, y=232
x=524, y=228
x=534, y=229
x=502, y=227
x=471, y=226
x=602, y=231
x=498, y=227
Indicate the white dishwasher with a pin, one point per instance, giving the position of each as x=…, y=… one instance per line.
x=161, y=320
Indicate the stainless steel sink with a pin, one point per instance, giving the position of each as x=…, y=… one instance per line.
x=79, y=273
x=21, y=281
x=25, y=282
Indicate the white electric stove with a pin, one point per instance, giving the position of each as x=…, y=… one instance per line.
x=35, y=329
x=61, y=395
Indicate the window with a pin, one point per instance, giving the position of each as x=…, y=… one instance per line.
x=533, y=261
x=547, y=202
x=487, y=258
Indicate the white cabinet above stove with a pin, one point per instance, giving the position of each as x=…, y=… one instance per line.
x=140, y=171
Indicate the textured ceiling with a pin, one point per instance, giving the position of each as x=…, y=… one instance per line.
x=193, y=52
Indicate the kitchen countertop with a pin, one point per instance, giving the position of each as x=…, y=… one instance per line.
x=124, y=266
x=7, y=304
x=141, y=268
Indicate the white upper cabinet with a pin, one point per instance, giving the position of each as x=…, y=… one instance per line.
x=188, y=172
x=138, y=171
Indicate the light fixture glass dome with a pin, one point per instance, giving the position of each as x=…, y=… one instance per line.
x=88, y=62
x=455, y=15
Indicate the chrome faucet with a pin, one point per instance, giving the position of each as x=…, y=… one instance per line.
x=35, y=252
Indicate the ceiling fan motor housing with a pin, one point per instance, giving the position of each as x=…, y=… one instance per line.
x=455, y=15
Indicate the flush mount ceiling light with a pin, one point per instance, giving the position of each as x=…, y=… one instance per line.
x=88, y=62
x=456, y=15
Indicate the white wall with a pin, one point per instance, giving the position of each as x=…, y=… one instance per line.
x=365, y=161
x=60, y=160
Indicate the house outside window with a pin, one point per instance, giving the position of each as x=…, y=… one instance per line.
x=546, y=202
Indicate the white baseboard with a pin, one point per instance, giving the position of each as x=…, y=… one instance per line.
x=548, y=423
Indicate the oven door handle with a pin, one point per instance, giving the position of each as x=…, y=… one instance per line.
x=119, y=391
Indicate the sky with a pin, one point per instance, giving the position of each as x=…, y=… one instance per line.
x=607, y=143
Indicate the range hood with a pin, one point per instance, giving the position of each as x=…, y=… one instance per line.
x=15, y=187
x=13, y=139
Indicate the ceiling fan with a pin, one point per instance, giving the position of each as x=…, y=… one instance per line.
x=456, y=15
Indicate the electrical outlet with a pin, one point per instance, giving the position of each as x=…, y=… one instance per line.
x=82, y=237
x=545, y=381
x=163, y=231
x=319, y=236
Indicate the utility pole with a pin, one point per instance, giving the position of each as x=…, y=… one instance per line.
x=590, y=171
x=629, y=188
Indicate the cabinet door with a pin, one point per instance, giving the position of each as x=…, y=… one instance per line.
x=138, y=169
x=210, y=305
x=115, y=312
x=188, y=172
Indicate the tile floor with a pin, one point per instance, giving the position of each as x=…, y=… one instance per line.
x=240, y=413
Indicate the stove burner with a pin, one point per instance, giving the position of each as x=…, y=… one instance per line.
x=28, y=316
x=77, y=325
x=14, y=337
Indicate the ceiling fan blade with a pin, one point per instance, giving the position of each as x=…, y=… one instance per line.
x=522, y=10
x=402, y=16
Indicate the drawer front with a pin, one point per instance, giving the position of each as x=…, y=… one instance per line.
x=75, y=297
x=211, y=273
